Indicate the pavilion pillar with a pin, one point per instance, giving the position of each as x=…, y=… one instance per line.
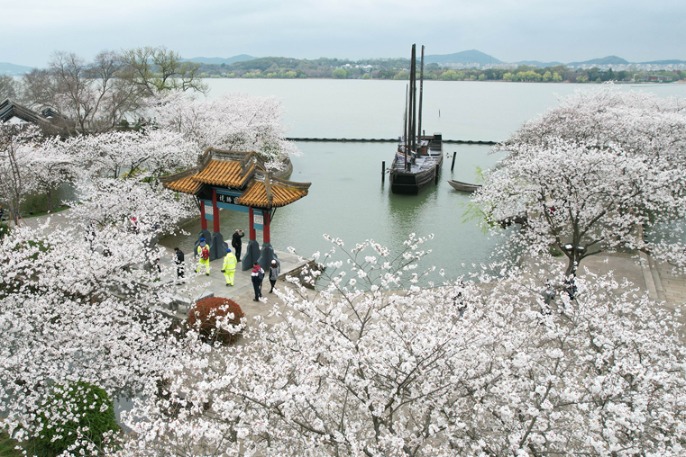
x=251, y=215
x=217, y=246
x=203, y=219
x=266, y=215
x=215, y=211
x=252, y=251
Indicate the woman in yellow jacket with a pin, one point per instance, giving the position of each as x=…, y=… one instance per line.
x=229, y=268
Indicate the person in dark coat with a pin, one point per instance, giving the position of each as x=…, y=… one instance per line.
x=237, y=243
x=179, y=260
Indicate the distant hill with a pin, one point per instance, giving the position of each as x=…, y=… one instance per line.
x=13, y=70
x=465, y=57
x=609, y=60
x=221, y=60
x=538, y=64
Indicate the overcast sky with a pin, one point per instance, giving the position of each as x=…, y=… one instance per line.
x=509, y=30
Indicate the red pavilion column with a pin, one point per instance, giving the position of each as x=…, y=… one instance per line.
x=215, y=211
x=266, y=217
x=252, y=234
x=203, y=220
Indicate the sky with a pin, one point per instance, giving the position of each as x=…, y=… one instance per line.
x=566, y=31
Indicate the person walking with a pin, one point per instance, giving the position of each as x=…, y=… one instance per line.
x=229, y=268
x=256, y=276
x=179, y=259
x=203, y=251
x=274, y=271
x=237, y=243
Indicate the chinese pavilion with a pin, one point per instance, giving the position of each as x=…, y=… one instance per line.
x=238, y=181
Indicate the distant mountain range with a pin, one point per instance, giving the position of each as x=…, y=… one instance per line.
x=479, y=58
x=472, y=57
x=475, y=57
x=13, y=70
x=221, y=60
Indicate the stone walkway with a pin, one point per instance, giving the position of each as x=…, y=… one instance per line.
x=197, y=286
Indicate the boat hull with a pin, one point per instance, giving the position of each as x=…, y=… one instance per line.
x=464, y=186
x=411, y=183
x=423, y=169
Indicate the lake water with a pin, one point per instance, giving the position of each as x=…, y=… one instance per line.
x=347, y=198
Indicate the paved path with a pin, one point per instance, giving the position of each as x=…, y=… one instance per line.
x=215, y=284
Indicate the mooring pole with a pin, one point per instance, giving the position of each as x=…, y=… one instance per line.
x=383, y=171
x=453, y=164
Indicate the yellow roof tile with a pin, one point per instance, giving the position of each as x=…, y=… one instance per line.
x=186, y=185
x=225, y=173
x=182, y=182
x=272, y=193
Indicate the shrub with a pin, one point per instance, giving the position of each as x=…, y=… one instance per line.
x=4, y=230
x=217, y=319
x=77, y=417
x=554, y=251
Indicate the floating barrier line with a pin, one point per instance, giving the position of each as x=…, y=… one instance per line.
x=382, y=140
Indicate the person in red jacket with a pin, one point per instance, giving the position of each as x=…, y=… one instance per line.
x=256, y=276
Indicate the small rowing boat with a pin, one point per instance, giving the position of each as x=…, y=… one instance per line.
x=464, y=186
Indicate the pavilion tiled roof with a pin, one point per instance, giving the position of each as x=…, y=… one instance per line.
x=270, y=192
x=217, y=168
x=50, y=122
x=239, y=170
x=183, y=182
x=226, y=168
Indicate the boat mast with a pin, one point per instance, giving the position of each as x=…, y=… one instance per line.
x=406, y=124
x=421, y=94
x=413, y=98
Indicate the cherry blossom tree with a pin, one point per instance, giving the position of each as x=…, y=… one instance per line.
x=579, y=199
x=81, y=304
x=17, y=146
x=49, y=168
x=71, y=313
x=147, y=154
x=235, y=122
x=591, y=175
x=642, y=124
x=119, y=174
x=468, y=368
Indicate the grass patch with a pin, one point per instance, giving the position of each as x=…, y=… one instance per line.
x=7, y=446
x=58, y=209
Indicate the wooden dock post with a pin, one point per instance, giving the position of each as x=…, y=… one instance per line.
x=383, y=171
x=453, y=164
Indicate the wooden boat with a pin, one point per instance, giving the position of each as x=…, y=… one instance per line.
x=419, y=157
x=464, y=186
